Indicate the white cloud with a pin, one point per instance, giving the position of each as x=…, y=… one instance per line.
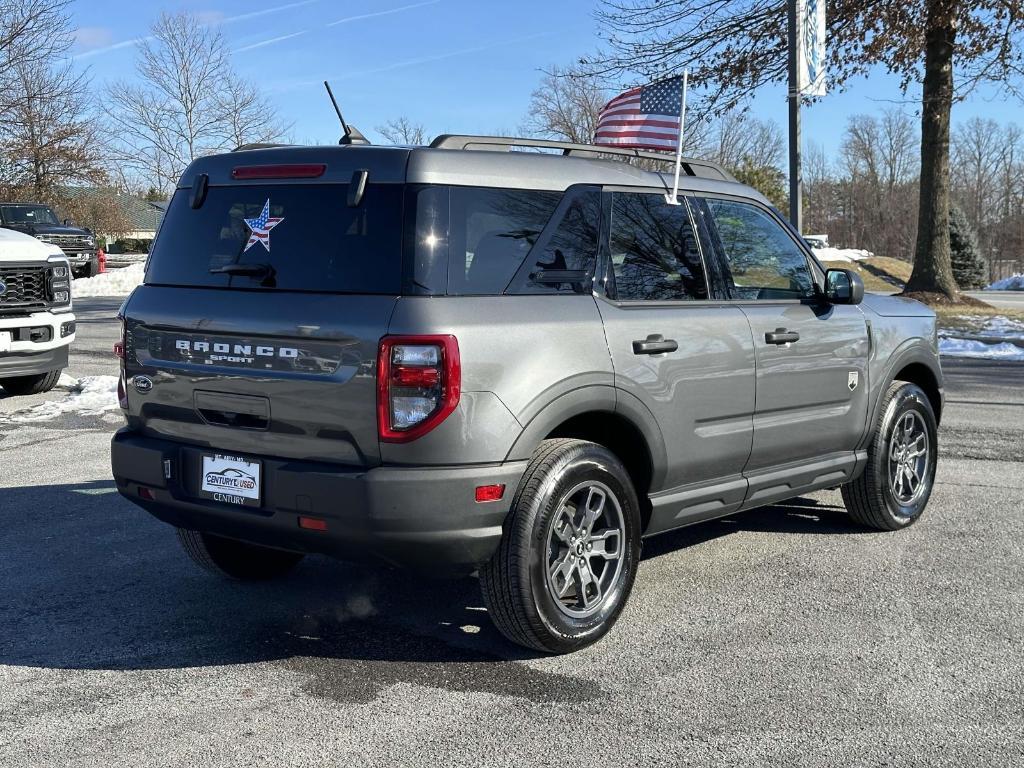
x=88, y=38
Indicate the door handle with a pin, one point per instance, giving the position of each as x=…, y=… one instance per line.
x=781, y=336
x=655, y=344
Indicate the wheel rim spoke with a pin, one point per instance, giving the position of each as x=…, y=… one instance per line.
x=606, y=544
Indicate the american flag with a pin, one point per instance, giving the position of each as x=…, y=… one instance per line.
x=260, y=227
x=647, y=117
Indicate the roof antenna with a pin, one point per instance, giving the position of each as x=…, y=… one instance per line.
x=350, y=134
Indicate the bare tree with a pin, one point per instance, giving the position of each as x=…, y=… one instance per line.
x=33, y=33
x=565, y=106
x=188, y=103
x=404, y=132
x=50, y=136
x=734, y=46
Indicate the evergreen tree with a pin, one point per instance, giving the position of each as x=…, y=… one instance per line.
x=969, y=269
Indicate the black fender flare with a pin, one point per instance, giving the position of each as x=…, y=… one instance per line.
x=594, y=399
x=911, y=352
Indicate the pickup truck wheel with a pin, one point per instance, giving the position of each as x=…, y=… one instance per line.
x=236, y=559
x=31, y=385
x=897, y=482
x=570, y=549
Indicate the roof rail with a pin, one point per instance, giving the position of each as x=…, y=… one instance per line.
x=701, y=168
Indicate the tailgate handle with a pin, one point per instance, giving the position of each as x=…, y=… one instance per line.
x=223, y=409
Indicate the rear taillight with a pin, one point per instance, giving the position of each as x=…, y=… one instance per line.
x=419, y=381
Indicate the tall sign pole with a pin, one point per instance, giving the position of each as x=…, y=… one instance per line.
x=807, y=32
x=795, y=180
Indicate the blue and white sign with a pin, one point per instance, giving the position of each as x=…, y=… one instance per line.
x=810, y=49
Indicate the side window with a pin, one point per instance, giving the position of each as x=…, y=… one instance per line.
x=491, y=232
x=760, y=258
x=564, y=261
x=654, y=250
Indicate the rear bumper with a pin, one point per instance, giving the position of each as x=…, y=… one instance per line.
x=425, y=518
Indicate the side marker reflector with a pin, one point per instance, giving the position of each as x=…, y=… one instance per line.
x=489, y=492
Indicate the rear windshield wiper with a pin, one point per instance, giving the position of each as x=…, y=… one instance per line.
x=248, y=270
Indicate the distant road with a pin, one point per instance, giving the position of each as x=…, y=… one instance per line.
x=1001, y=299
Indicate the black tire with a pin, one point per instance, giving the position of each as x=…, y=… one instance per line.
x=31, y=385
x=871, y=499
x=516, y=586
x=236, y=559
x=92, y=268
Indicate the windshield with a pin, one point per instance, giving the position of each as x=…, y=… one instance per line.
x=285, y=237
x=28, y=214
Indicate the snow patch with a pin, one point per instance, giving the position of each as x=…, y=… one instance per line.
x=89, y=396
x=842, y=254
x=979, y=349
x=116, y=282
x=1012, y=283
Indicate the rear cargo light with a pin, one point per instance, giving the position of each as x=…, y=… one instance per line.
x=289, y=171
x=419, y=382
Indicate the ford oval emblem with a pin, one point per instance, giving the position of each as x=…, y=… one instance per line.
x=143, y=384
x=3, y=287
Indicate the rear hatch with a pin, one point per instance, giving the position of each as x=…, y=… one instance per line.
x=256, y=329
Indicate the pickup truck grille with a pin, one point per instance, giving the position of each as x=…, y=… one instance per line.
x=24, y=289
x=70, y=244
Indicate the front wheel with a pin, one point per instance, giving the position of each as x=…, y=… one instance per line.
x=570, y=549
x=895, y=486
x=31, y=385
x=236, y=559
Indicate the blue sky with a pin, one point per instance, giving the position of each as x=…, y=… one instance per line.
x=465, y=66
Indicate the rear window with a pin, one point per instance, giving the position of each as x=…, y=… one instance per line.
x=294, y=237
x=487, y=242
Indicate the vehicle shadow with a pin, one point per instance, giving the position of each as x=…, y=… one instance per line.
x=92, y=582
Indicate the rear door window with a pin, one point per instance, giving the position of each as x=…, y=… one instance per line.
x=296, y=237
x=654, y=251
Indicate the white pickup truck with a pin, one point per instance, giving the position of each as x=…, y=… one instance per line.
x=36, y=323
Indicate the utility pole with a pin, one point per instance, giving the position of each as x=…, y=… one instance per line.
x=795, y=179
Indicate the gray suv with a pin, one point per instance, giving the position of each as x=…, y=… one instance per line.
x=471, y=357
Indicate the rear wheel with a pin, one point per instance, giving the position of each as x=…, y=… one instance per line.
x=897, y=482
x=569, y=554
x=31, y=385
x=236, y=559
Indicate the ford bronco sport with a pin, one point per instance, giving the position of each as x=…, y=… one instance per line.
x=36, y=324
x=466, y=358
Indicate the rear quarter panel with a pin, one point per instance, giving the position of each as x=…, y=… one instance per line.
x=518, y=354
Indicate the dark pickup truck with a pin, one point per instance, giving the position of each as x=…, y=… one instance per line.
x=40, y=221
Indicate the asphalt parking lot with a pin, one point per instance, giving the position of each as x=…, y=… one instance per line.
x=783, y=636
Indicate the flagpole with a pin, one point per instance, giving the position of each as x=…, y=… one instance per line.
x=673, y=199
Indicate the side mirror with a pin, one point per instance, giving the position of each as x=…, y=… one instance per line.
x=843, y=286
x=68, y=223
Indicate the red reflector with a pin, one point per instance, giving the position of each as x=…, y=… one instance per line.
x=415, y=376
x=312, y=524
x=147, y=494
x=293, y=171
x=119, y=349
x=489, y=492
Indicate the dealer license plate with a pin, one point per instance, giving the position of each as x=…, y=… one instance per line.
x=230, y=479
